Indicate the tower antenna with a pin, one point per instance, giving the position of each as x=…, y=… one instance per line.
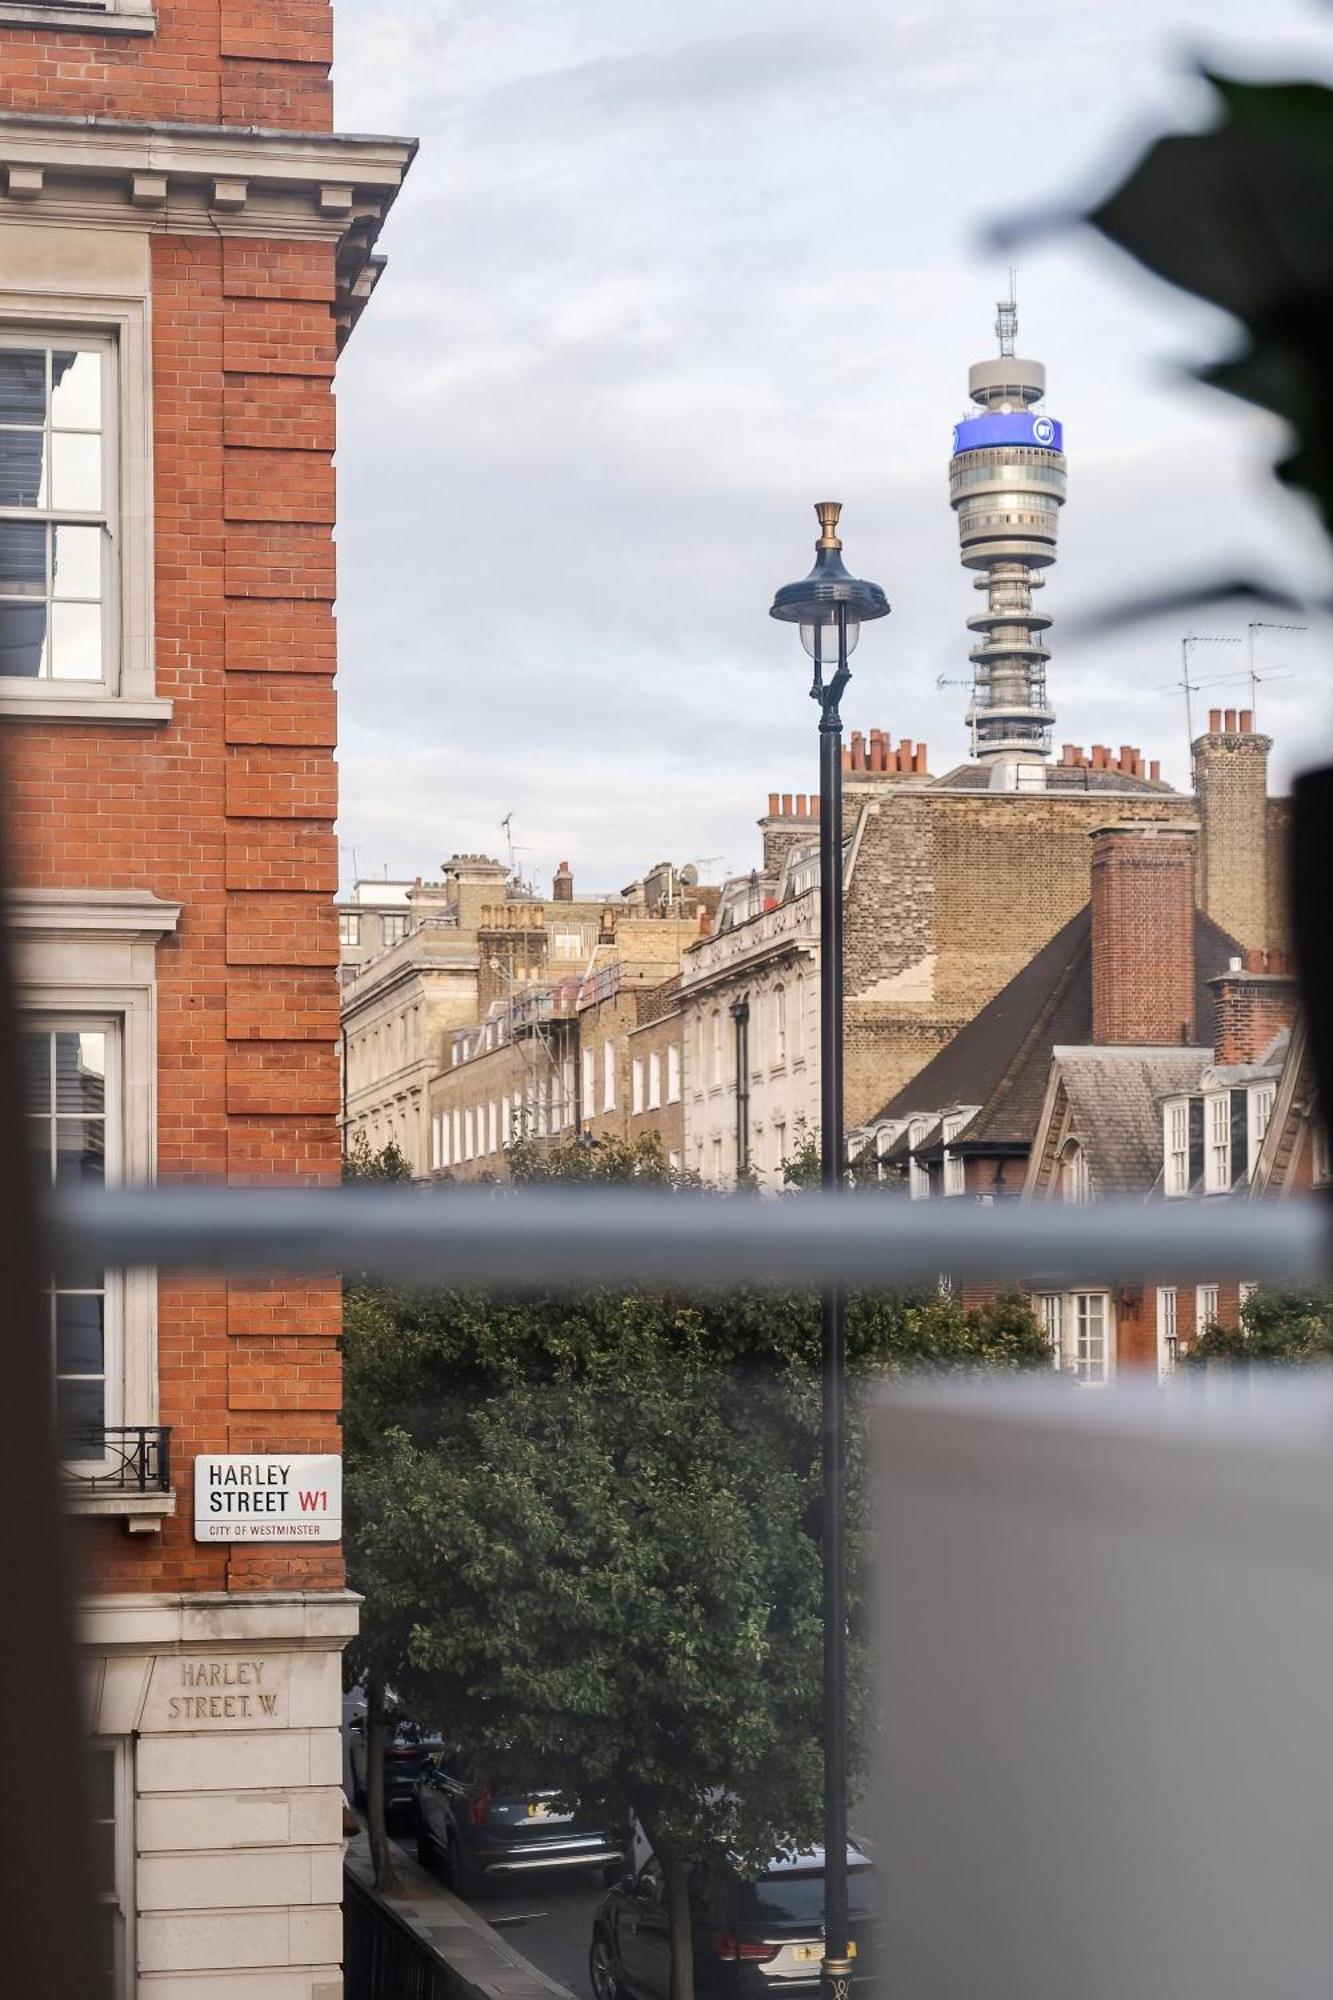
x=1006, y=316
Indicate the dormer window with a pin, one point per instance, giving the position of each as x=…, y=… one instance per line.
x=1217, y=1143
x=955, y=1172
x=1075, y=1177
x=918, y=1176
x=1176, y=1146
x=1261, y=1111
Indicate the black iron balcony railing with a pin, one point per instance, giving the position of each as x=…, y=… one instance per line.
x=117, y=1458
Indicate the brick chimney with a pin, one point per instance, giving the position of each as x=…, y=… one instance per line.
x=1256, y=999
x=1143, y=933
x=562, y=888
x=1231, y=780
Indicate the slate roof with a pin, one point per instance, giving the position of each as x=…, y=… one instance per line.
x=1115, y=1103
x=1001, y=1059
x=1059, y=778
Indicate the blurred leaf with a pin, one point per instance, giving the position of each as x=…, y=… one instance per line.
x=1242, y=216
x=1199, y=596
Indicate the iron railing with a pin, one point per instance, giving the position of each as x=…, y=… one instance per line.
x=116, y=1458
x=385, y=1960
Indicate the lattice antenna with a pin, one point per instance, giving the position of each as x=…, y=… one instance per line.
x=1006, y=316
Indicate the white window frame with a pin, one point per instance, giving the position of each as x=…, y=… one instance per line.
x=608, y=1075
x=469, y=1134
x=349, y=928
x=673, y=1073
x=493, y=1125
x=36, y=308
x=798, y=1040
x=506, y=1120
x=394, y=927
x=654, y=1079
x=1075, y=1176
x=1176, y=1147
x=779, y=1027
x=1218, y=1166
x=918, y=1177
x=99, y=17
x=955, y=1171
x=636, y=1086
x=1092, y=1373
x=589, y=1069
x=90, y=956
x=1049, y=1308
x=1262, y=1097
x=1168, y=1334
x=1205, y=1307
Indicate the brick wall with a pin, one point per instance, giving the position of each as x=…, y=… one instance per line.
x=1253, y=1005
x=210, y=62
x=1143, y=935
x=1240, y=838
x=227, y=810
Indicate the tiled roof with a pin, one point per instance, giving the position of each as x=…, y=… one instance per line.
x=1001, y=1060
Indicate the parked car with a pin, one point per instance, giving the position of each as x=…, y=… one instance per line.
x=478, y=1830
x=407, y=1751
x=751, y=1938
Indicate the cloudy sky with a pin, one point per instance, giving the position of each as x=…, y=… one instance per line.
x=668, y=271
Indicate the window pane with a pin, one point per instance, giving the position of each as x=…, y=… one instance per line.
x=77, y=569
x=79, y=1345
x=23, y=640
x=80, y=1151
x=76, y=391
x=80, y=1406
x=76, y=471
x=76, y=642
x=22, y=385
x=22, y=462
x=80, y=1074
x=23, y=558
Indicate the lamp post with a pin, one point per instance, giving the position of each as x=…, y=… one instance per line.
x=830, y=607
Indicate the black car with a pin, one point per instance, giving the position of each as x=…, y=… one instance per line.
x=407, y=1751
x=479, y=1829
x=751, y=1938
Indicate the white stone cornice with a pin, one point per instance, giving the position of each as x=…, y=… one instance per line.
x=88, y=913
x=205, y=153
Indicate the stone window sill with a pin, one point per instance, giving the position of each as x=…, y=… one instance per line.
x=142, y=1513
x=80, y=20
x=105, y=708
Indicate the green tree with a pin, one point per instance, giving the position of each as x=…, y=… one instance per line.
x=586, y=1528
x=1288, y=1326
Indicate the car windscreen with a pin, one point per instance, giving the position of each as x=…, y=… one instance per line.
x=791, y=1898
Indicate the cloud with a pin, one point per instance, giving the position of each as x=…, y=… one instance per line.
x=664, y=273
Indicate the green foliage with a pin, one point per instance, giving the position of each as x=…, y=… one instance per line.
x=360, y=1163
x=1242, y=216
x=587, y=1532
x=1290, y=1327
x=638, y=1161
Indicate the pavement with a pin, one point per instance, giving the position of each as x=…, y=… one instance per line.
x=524, y=1939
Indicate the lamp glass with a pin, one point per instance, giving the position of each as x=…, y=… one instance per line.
x=824, y=631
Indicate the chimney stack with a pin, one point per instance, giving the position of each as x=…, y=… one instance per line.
x=1256, y=999
x=562, y=889
x=1143, y=933
x=1240, y=885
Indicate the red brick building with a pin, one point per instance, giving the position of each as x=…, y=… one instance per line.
x=184, y=242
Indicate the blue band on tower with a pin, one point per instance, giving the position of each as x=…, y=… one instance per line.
x=1017, y=427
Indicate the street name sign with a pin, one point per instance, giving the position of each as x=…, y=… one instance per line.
x=267, y=1497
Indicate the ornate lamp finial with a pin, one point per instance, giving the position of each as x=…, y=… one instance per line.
x=828, y=512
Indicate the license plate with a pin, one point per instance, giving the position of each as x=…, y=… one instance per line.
x=804, y=1954
x=539, y=1809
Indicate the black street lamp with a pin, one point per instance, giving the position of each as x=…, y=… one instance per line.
x=830, y=607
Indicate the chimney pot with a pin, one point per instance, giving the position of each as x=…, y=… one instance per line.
x=1214, y=722
x=1229, y=719
x=1155, y=770
x=786, y=805
x=919, y=764
x=1247, y=722
x=814, y=804
x=772, y=805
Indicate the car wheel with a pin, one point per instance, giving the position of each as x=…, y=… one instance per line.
x=602, y=1974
